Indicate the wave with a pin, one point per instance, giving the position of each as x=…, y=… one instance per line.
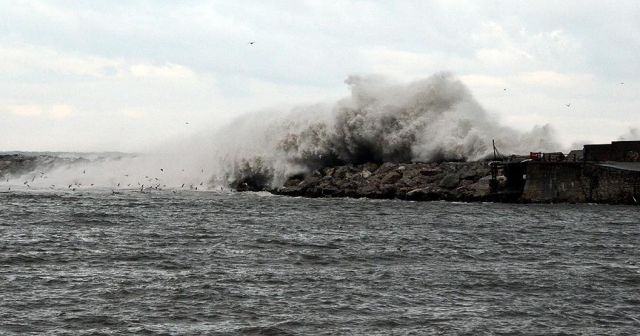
x=431, y=119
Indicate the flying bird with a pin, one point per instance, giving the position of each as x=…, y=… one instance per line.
x=568, y=105
x=252, y=42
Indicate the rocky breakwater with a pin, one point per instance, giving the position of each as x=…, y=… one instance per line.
x=451, y=181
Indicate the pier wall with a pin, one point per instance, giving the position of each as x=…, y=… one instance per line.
x=579, y=182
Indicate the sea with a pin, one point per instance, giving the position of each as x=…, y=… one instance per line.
x=95, y=262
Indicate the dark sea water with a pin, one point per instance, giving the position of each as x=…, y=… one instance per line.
x=90, y=263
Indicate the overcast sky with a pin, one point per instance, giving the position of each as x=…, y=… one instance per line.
x=125, y=75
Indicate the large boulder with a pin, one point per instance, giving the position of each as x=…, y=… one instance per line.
x=391, y=177
x=449, y=181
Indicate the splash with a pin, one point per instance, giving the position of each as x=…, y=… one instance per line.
x=432, y=119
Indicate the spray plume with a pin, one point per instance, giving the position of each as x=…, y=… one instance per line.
x=432, y=119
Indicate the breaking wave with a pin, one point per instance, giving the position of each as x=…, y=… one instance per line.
x=431, y=119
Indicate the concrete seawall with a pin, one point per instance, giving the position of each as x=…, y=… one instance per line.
x=580, y=182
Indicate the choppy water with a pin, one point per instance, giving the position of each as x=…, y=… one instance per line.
x=250, y=264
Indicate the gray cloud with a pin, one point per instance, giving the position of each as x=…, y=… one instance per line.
x=548, y=54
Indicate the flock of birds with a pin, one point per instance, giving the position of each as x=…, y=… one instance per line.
x=149, y=183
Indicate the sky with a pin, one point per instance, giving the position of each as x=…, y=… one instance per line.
x=131, y=75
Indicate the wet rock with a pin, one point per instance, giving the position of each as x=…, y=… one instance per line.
x=425, y=194
x=449, y=181
x=329, y=171
x=385, y=168
x=292, y=182
x=372, y=167
x=461, y=181
x=391, y=177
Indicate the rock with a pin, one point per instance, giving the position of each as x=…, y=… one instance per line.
x=329, y=171
x=430, y=171
x=413, y=181
x=385, y=168
x=372, y=167
x=391, y=177
x=345, y=172
x=449, y=181
x=426, y=194
x=464, y=183
x=370, y=191
x=292, y=182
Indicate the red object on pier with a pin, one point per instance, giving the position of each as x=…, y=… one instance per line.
x=536, y=156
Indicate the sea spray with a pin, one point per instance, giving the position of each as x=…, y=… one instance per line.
x=432, y=119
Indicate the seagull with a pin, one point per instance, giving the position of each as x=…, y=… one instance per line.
x=504, y=89
x=621, y=83
x=568, y=105
x=252, y=42
x=186, y=123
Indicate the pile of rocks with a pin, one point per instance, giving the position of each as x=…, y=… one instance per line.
x=452, y=181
